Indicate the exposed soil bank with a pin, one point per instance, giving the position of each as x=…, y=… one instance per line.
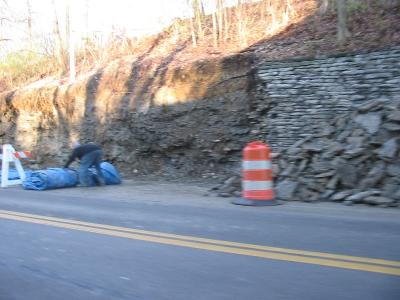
x=149, y=118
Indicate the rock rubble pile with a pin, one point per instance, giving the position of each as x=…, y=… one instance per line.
x=353, y=159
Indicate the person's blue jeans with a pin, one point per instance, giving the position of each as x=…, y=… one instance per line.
x=91, y=159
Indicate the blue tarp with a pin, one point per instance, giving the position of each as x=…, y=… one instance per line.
x=54, y=178
x=13, y=174
x=111, y=175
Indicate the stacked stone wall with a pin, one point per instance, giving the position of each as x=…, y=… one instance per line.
x=301, y=95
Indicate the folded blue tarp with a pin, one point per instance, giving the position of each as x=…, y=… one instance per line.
x=52, y=178
x=13, y=174
x=111, y=175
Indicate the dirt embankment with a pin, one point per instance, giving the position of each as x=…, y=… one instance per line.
x=149, y=118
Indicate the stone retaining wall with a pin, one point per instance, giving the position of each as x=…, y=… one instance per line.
x=299, y=96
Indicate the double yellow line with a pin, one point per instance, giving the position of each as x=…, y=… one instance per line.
x=309, y=257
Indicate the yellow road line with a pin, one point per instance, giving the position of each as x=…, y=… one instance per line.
x=226, y=247
x=217, y=242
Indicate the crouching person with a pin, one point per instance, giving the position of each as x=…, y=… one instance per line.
x=89, y=155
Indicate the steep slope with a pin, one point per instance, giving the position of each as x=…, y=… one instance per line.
x=172, y=108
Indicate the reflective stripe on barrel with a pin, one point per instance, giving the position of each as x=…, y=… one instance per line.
x=257, y=172
x=256, y=164
x=250, y=185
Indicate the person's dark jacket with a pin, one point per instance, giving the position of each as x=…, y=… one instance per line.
x=80, y=151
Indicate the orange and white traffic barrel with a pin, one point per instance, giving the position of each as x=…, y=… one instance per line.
x=257, y=183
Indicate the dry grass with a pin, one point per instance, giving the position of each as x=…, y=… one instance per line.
x=24, y=67
x=257, y=20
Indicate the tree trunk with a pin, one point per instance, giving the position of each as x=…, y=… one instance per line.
x=215, y=33
x=289, y=6
x=342, y=31
x=28, y=5
x=193, y=33
x=220, y=18
x=71, y=44
x=240, y=24
x=60, y=52
x=226, y=24
x=324, y=6
x=198, y=13
x=273, y=23
x=67, y=24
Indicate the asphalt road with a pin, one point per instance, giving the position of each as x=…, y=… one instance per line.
x=156, y=241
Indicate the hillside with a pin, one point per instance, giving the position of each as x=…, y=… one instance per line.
x=173, y=109
x=307, y=33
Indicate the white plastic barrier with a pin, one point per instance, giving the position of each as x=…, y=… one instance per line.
x=8, y=156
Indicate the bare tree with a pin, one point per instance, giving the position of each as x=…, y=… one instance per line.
x=324, y=6
x=67, y=24
x=240, y=21
x=198, y=11
x=215, y=29
x=70, y=42
x=220, y=18
x=226, y=23
x=29, y=21
x=5, y=20
x=192, y=30
x=342, y=30
x=60, y=47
